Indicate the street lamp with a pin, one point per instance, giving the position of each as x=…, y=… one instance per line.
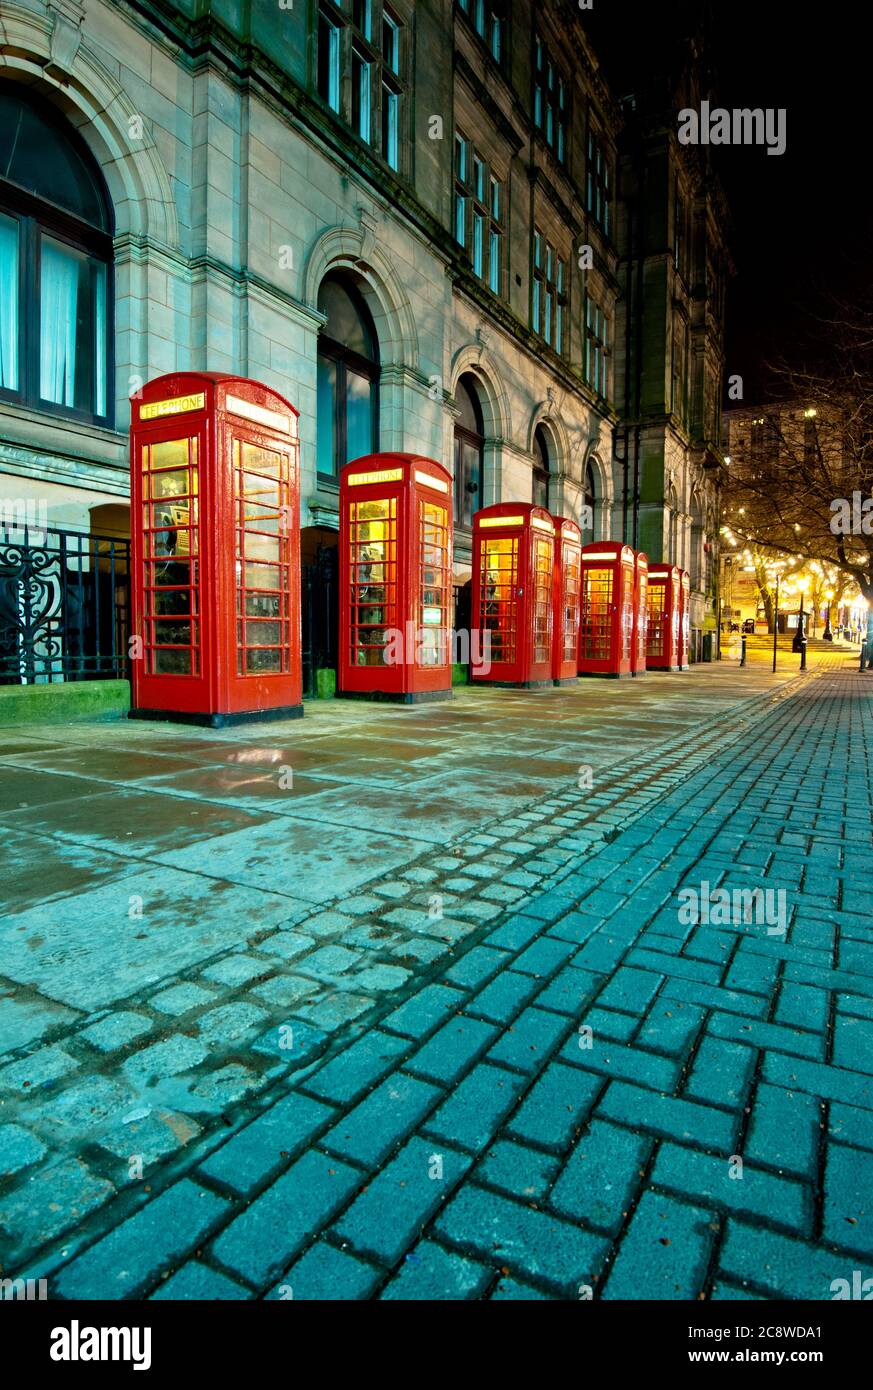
x=827, y=635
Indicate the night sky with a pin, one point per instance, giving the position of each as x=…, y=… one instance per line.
x=802, y=222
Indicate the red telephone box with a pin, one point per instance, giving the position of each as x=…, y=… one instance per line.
x=684, y=618
x=606, y=609
x=662, y=642
x=638, y=635
x=395, y=578
x=216, y=550
x=513, y=562
x=565, y=619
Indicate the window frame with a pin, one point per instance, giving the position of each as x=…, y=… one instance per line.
x=596, y=348
x=550, y=113
x=599, y=196
x=548, y=290
x=478, y=209
x=495, y=19
x=363, y=49
x=344, y=359
x=36, y=218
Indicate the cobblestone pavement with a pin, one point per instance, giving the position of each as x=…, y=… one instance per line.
x=381, y=1046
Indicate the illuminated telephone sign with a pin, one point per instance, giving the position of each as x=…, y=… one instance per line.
x=606, y=609
x=663, y=604
x=512, y=600
x=566, y=585
x=395, y=579
x=684, y=618
x=216, y=551
x=641, y=614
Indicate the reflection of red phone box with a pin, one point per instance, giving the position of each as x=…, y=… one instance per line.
x=638, y=636
x=395, y=578
x=513, y=560
x=606, y=609
x=565, y=621
x=684, y=617
x=216, y=550
x=662, y=641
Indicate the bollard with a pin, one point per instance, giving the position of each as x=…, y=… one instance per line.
x=863, y=656
x=803, y=655
x=743, y=653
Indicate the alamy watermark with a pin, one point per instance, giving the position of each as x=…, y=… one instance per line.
x=723, y=907
x=740, y=126
x=853, y=518
x=436, y=646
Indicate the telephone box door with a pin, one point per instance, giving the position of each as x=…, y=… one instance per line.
x=566, y=580
x=662, y=642
x=640, y=624
x=684, y=618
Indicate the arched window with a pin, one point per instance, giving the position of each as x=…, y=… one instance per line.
x=589, y=502
x=469, y=452
x=541, y=469
x=55, y=265
x=348, y=377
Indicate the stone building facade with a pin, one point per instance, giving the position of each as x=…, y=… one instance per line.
x=430, y=225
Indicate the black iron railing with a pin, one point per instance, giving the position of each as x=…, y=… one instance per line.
x=64, y=605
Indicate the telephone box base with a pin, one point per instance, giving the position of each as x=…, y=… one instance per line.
x=219, y=721
x=636, y=674
x=605, y=675
x=418, y=697
x=567, y=680
x=650, y=667
x=514, y=685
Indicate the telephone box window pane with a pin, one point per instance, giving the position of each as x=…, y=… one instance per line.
x=263, y=606
x=170, y=540
x=172, y=453
x=258, y=460
x=170, y=602
x=627, y=610
x=8, y=303
x=261, y=493
x=543, y=558
x=263, y=660
x=596, y=614
x=655, y=599
x=167, y=662
x=498, y=583
x=175, y=634
x=572, y=565
x=433, y=586
x=373, y=570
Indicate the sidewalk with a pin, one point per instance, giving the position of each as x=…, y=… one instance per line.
x=396, y=1040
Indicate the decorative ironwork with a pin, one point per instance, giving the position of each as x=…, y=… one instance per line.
x=64, y=605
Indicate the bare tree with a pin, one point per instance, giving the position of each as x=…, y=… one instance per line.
x=801, y=482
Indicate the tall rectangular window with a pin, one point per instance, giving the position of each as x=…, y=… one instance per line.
x=488, y=18
x=549, y=304
x=598, y=185
x=362, y=111
x=329, y=60
x=361, y=71
x=596, y=346
x=9, y=271
x=550, y=102
x=478, y=213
